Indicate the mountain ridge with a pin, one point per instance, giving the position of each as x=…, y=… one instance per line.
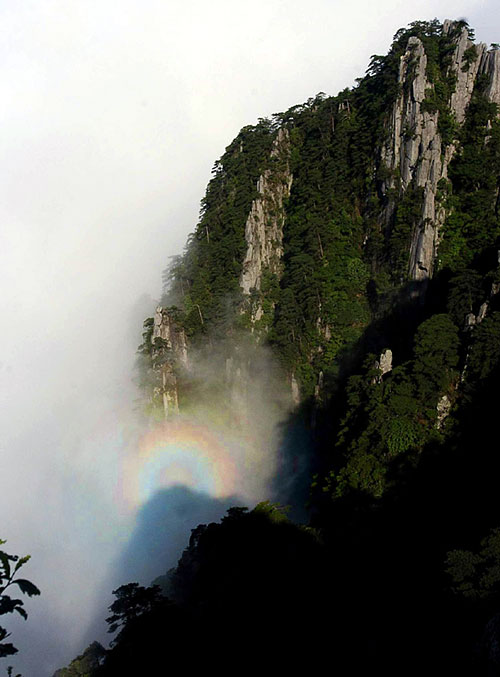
x=356, y=239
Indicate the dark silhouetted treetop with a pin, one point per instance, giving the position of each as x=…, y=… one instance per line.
x=9, y=568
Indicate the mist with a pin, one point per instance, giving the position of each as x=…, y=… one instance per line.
x=113, y=114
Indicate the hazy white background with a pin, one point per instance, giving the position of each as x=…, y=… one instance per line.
x=112, y=115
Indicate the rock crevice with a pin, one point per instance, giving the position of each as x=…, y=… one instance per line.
x=264, y=225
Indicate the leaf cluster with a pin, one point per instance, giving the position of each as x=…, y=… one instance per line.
x=9, y=568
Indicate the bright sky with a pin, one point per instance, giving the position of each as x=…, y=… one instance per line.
x=112, y=113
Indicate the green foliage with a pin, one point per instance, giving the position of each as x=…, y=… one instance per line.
x=484, y=356
x=9, y=568
x=437, y=97
x=334, y=246
x=341, y=266
x=267, y=299
x=473, y=221
x=382, y=423
x=363, y=472
x=408, y=215
x=322, y=304
x=86, y=664
x=470, y=55
x=476, y=575
x=204, y=281
x=447, y=126
x=273, y=511
x=403, y=434
x=436, y=357
x=466, y=294
x=394, y=416
x=144, y=358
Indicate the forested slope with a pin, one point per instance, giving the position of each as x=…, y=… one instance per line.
x=358, y=238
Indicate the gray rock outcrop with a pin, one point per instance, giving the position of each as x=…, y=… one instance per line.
x=443, y=411
x=165, y=328
x=490, y=65
x=385, y=362
x=415, y=151
x=466, y=74
x=264, y=225
x=383, y=365
x=168, y=351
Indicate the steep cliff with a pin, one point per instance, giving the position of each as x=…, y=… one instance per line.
x=164, y=357
x=355, y=241
x=226, y=282
x=424, y=129
x=264, y=229
x=316, y=218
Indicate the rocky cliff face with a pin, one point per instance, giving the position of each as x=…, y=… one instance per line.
x=490, y=66
x=415, y=152
x=168, y=353
x=465, y=70
x=264, y=225
x=298, y=240
x=167, y=344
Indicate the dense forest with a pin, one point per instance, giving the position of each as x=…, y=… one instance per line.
x=357, y=238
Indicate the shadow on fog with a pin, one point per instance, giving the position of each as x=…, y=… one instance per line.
x=291, y=482
x=163, y=525
x=162, y=530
